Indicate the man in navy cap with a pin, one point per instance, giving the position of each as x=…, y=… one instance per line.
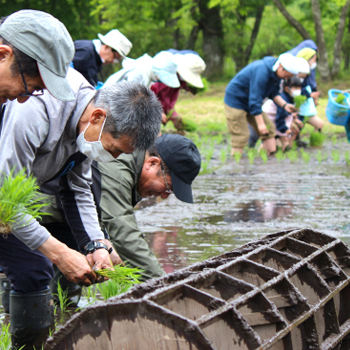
x=169, y=166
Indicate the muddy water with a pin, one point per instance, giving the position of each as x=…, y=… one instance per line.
x=241, y=202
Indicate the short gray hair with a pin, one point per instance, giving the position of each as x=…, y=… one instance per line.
x=132, y=110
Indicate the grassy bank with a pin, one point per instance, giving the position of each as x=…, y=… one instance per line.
x=207, y=109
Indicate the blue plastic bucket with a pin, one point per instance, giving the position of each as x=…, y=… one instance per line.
x=337, y=113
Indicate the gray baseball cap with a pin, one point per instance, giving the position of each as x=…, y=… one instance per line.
x=45, y=39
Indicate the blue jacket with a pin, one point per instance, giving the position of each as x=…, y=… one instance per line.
x=87, y=61
x=282, y=114
x=311, y=79
x=252, y=85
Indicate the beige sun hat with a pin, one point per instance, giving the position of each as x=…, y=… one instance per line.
x=190, y=67
x=117, y=41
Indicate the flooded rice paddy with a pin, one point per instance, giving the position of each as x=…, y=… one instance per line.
x=237, y=203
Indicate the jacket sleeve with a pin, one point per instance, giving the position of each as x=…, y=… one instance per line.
x=117, y=215
x=19, y=142
x=258, y=82
x=281, y=115
x=78, y=204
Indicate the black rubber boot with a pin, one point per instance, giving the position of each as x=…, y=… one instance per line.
x=5, y=288
x=31, y=317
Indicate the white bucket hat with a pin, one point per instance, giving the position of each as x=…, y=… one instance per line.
x=190, y=67
x=117, y=41
x=164, y=67
x=289, y=62
x=303, y=66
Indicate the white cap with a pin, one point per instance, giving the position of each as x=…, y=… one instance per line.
x=190, y=66
x=117, y=41
x=289, y=62
x=303, y=66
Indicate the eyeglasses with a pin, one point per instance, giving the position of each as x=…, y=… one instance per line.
x=168, y=190
x=27, y=93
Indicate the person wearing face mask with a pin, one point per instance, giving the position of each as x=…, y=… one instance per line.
x=168, y=166
x=145, y=70
x=90, y=56
x=287, y=124
x=52, y=140
x=309, y=89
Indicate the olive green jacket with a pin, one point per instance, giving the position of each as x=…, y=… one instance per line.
x=115, y=193
x=118, y=197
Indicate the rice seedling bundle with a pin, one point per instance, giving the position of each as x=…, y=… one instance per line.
x=292, y=155
x=280, y=155
x=237, y=156
x=19, y=196
x=189, y=125
x=340, y=99
x=299, y=100
x=251, y=154
x=263, y=155
x=223, y=155
x=335, y=155
x=317, y=139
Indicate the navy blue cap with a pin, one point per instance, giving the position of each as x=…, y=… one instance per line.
x=182, y=158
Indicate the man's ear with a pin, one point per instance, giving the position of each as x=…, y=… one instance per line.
x=152, y=161
x=5, y=52
x=97, y=116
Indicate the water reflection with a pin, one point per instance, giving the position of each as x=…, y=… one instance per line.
x=258, y=211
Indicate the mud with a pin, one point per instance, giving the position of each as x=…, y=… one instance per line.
x=240, y=202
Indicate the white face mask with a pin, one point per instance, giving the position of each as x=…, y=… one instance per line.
x=94, y=149
x=301, y=80
x=296, y=93
x=313, y=66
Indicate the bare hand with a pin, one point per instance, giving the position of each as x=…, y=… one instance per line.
x=72, y=264
x=263, y=129
x=289, y=108
x=100, y=259
x=164, y=118
x=116, y=260
x=315, y=95
x=299, y=123
x=76, y=268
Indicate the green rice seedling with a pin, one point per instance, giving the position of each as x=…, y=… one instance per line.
x=299, y=100
x=347, y=158
x=237, y=156
x=121, y=278
x=280, y=155
x=90, y=293
x=63, y=299
x=292, y=155
x=319, y=156
x=189, y=125
x=5, y=337
x=305, y=156
x=223, y=155
x=317, y=139
x=204, y=168
x=334, y=140
x=219, y=139
x=294, y=146
x=263, y=155
x=251, y=154
x=335, y=155
x=112, y=288
x=209, y=154
x=122, y=274
x=19, y=196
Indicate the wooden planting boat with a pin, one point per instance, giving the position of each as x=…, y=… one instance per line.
x=287, y=291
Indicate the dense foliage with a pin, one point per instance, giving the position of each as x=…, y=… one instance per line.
x=230, y=33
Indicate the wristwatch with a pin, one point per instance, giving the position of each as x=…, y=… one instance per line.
x=95, y=245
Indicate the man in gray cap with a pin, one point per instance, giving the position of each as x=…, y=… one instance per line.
x=90, y=56
x=35, y=52
x=169, y=166
x=52, y=139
